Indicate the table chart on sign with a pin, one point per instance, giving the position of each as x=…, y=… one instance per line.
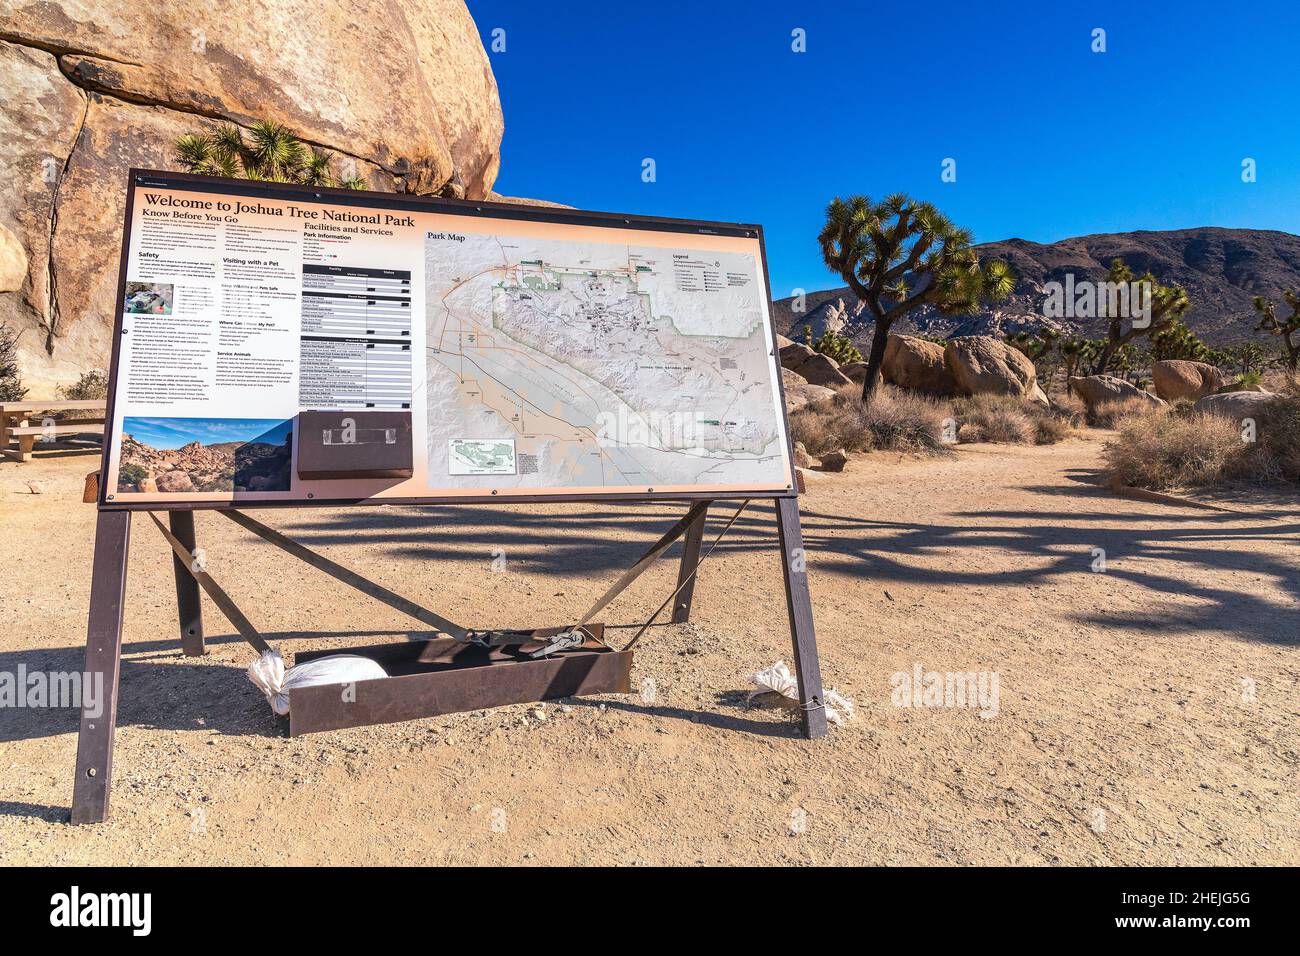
x=342, y=300
x=354, y=373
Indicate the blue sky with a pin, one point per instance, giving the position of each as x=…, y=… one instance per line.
x=1050, y=139
x=166, y=433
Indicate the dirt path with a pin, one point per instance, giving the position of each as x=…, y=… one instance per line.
x=1145, y=714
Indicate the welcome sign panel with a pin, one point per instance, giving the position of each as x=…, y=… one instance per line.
x=433, y=351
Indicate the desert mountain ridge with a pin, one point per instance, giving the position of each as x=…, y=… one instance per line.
x=1221, y=269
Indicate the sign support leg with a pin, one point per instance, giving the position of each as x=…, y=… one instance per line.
x=90, y=787
x=685, y=578
x=188, y=603
x=794, y=567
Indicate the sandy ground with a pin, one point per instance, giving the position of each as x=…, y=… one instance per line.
x=1146, y=714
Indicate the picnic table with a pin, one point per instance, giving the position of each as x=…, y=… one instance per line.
x=22, y=424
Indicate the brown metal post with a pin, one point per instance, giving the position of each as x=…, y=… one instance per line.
x=188, y=603
x=90, y=787
x=686, y=580
x=794, y=566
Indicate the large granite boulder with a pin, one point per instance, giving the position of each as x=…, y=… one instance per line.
x=981, y=364
x=794, y=354
x=813, y=366
x=403, y=96
x=823, y=370
x=1234, y=405
x=1180, y=380
x=798, y=392
x=914, y=363
x=1097, y=390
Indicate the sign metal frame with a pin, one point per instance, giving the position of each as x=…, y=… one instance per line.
x=108, y=594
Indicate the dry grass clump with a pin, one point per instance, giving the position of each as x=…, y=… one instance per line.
x=1049, y=429
x=1188, y=449
x=1159, y=451
x=1278, y=431
x=894, y=420
x=1009, y=420
x=1110, y=414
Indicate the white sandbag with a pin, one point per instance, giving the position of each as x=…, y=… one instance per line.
x=269, y=675
x=778, y=679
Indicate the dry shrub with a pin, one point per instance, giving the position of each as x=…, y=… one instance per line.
x=894, y=420
x=1154, y=450
x=1191, y=449
x=1111, y=414
x=1278, y=432
x=1049, y=429
x=1009, y=420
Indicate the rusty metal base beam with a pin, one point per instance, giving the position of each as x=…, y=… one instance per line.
x=445, y=676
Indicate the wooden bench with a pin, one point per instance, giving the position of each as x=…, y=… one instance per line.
x=19, y=436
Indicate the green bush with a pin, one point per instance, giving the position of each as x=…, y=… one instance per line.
x=91, y=385
x=131, y=474
x=11, y=386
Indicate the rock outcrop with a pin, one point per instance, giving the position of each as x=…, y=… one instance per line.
x=855, y=372
x=798, y=392
x=1096, y=390
x=823, y=370
x=914, y=363
x=229, y=466
x=812, y=366
x=832, y=315
x=1180, y=380
x=985, y=365
x=404, y=98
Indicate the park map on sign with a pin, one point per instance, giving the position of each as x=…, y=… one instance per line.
x=565, y=364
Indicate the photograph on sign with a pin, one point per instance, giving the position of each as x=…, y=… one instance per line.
x=516, y=352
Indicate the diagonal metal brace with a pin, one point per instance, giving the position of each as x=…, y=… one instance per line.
x=219, y=597
x=647, y=559
x=351, y=578
x=688, y=578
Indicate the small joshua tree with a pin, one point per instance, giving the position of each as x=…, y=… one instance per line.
x=1286, y=329
x=901, y=254
x=269, y=151
x=833, y=345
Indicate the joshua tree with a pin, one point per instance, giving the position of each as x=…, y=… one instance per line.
x=1167, y=303
x=1039, y=348
x=1076, y=353
x=1285, y=329
x=1176, y=341
x=900, y=254
x=271, y=151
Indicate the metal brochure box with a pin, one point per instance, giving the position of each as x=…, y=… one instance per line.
x=354, y=445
